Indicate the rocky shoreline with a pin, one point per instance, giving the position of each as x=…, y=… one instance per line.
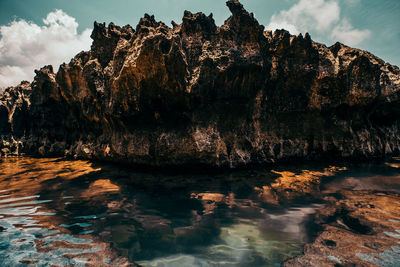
x=357, y=228
x=202, y=95
x=358, y=221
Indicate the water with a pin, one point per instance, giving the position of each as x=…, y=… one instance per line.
x=61, y=213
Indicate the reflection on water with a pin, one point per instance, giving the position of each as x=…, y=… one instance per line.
x=33, y=229
x=78, y=213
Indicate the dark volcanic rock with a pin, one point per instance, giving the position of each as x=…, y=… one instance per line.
x=198, y=94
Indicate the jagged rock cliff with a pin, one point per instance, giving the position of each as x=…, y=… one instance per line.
x=198, y=94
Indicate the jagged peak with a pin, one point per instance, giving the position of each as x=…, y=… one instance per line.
x=240, y=14
x=174, y=24
x=336, y=47
x=300, y=40
x=44, y=75
x=82, y=58
x=148, y=21
x=46, y=70
x=281, y=33
x=198, y=22
x=100, y=31
x=243, y=23
x=24, y=83
x=44, y=85
x=105, y=39
x=236, y=7
x=14, y=91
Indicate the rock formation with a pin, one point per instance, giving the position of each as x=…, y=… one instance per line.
x=198, y=94
x=358, y=229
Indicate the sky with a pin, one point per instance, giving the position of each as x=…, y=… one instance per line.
x=34, y=33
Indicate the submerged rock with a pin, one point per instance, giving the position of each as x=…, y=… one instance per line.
x=198, y=94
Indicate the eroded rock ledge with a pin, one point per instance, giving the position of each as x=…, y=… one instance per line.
x=198, y=94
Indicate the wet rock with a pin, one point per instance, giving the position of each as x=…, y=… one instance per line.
x=201, y=95
x=301, y=186
x=353, y=230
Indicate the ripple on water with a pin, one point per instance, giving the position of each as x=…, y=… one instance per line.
x=387, y=258
x=74, y=213
x=22, y=232
x=67, y=216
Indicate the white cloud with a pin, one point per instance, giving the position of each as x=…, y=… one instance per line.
x=319, y=16
x=307, y=15
x=345, y=33
x=25, y=46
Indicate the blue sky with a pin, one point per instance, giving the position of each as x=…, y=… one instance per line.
x=34, y=33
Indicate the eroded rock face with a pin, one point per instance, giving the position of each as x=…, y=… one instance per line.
x=198, y=94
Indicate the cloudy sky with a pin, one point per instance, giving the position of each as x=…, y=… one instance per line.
x=40, y=32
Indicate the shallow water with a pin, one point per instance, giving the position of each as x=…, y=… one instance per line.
x=61, y=212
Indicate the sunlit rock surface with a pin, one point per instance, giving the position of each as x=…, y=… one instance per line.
x=199, y=94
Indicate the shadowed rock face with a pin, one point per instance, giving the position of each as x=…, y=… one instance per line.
x=198, y=94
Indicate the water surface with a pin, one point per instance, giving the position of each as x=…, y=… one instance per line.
x=79, y=213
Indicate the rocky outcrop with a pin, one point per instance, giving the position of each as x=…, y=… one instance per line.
x=14, y=115
x=199, y=94
x=360, y=228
